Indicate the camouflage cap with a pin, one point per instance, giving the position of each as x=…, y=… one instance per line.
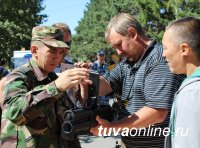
x=49, y=35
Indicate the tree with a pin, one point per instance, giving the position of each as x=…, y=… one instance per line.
x=87, y=41
x=154, y=15
x=17, y=18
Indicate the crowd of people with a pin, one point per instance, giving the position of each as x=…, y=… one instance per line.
x=157, y=84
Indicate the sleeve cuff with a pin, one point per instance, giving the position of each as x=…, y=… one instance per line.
x=52, y=89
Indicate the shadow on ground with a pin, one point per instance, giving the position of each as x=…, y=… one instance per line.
x=88, y=141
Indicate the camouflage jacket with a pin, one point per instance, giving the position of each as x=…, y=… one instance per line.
x=32, y=109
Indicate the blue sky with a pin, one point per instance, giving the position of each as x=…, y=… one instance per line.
x=66, y=11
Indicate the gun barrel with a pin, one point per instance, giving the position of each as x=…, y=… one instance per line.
x=69, y=130
x=79, y=115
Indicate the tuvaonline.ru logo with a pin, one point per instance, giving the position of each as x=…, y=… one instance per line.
x=150, y=131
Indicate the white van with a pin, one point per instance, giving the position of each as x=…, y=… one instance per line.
x=20, y=57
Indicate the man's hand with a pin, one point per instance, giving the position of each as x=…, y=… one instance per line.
x=84, y=65
x=72, y=77
x=101, y=123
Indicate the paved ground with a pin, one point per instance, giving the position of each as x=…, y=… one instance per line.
x=98, y=142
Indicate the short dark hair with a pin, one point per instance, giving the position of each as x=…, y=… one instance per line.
x=62, y=26
x=187, y=30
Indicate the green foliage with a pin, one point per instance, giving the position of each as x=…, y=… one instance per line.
x=87, y=41
x=154, y=15
x=17, y=17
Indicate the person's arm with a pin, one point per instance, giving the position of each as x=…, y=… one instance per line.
x=104, y=87
x=111, y=81
x=141, y=119
x=83, y=96
x=22, y=105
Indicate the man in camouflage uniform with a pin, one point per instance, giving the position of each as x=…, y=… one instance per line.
x=34, y=98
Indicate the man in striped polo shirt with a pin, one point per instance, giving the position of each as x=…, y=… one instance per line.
x=143, y=81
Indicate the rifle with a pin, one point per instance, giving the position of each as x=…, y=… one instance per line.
x=79, y=121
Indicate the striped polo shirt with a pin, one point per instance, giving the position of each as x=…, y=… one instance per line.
x=147, y=82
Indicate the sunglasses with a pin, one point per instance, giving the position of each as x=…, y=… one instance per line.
x=69, y=43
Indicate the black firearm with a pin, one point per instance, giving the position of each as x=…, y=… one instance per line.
x=79, y=121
